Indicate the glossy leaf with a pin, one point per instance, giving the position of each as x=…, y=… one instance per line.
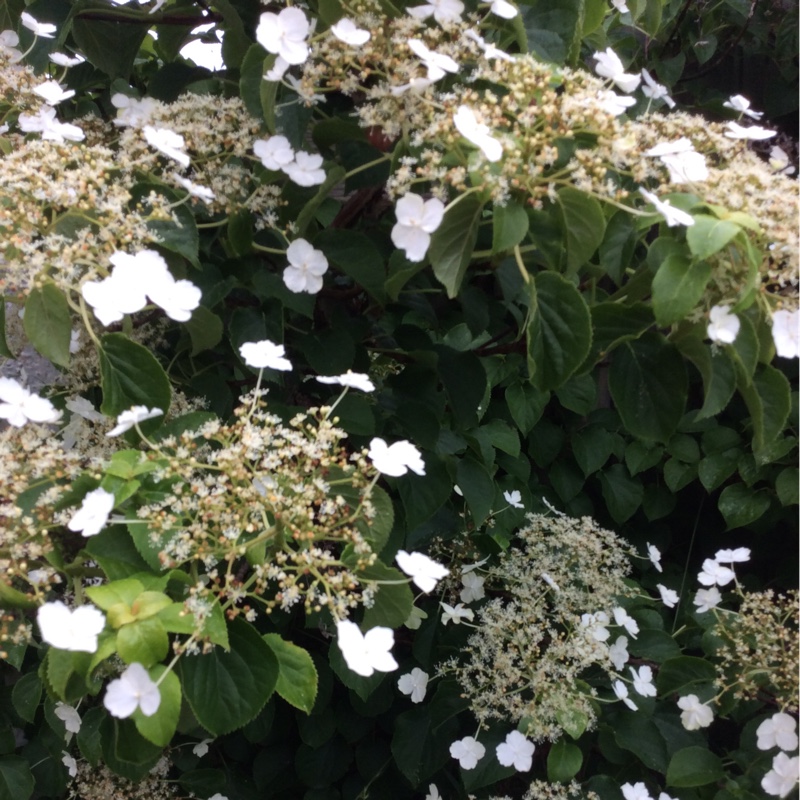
x=678, y=287
x=453, y=243
x=48, y=323
x=709, y=235
x=297, y=675
x=563, y=761
x=694, y=766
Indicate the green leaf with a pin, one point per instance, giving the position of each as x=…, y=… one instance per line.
x=745, y=350
x=680, y=674
x=125, y=750
x=227, y=690
x=89, y=737
x=16, y=781
x=677, y=287
x=424, y=495
x=393, y=600
x=553, y=29
x=419, y=748
x=48, y=323
x=718, y=373
x=592, y=447
x=111, y=46
x=477, y=487
x=464, y=379
x=638, y=734
x=4, y=348
x=108, y=595
x=66, y=673
x=25, y=696
x=769, y=401
x=356, y=255
x=526, y=405
x=648, y=383
x=205, y=330
x=334, y=176
x=709, y=235
x=131, y=376
x=297, y=675
x=236, y=40
x=179, y=237
x=144, y=641
x=584, y=226
x=578, y=394
x=623, y=494
x=453, y=243
x=161, y=726
x=740, y=505
x=715, y=469
x=694, y=766
x=786, y=485
x=509, y=226
x=563, y=761
x=251, y=75
x=614, y=323
x=380, y=526
x=641, y=456
x=559, y=332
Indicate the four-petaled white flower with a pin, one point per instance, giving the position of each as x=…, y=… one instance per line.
x=673, y=216
x=736, y=555
x=786, y=333
x=636, y=791
x=285, y=34
x=473, y=587
x=780, y=730
x=621, y=6
x=779, y=161
x=694, y=714
x=167, y=142
x=669, y=597
x=685, y=165
x=655, y=90
x=613, y=103
x=396, y=459
x=643, y=681
x=754, y=132
x=53, y=93
x=782, y=778
x=504, y=9
x=306, y=267
x=618, y=652
x=456, y=613
x=595, y=625
x=70, y=763
x=443, y=10
x=45, y=122
x=265, y=355
x=741, y=104
x=306, y=169
x=468, y=752
x=414, y=683
x=70, y=629
x=706, y=599
x=275, y=153
x=19, y=406
x=133, y=689
x=424, y=571
x=63, y=60
x=654, y=554
x=132, y=112
x=714, y=573
x=350, y=379
x=621, y=691
x=489, y=50
x=514, y=499
x=470, y=128
x=348, y=32
x=92, y=516
x=201, y=748
x=364, y=653
x=550, y=582
x=437, y=64
x=417, y=219
x=516, y=751
x=723, y=327
x=44, y=29
x=133, y=416
x=201, y=192
x=621, y=617
x=69, y=716
x=433, y=793
x=609, y=66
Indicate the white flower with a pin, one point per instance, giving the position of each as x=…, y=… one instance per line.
x=201, y=192
x=417, y=219
x=737, y=555
x=306, y=267
x=52, y=130
x=669, y=597
x=609, y=66
x=489, y=50
x=433, y=793
x=621, y=617
x=673, y=216
x=70, y=763
x=443, y=11
x=621, y=691
x=514, y=499
x=455, y=614
x=613, y=103
x=69, y=716
x=684, y=164
x=218, y=796
x=18, y=405
x=424, y=571
x=92, y=516
x=66, y=629
x=397, y=459
x=706, y=599
x=306, y=169
x=350, y=379
x=178, y=299
x=133, y=416
x=654, y=554
x=516, y=751
x=476, y=132
x=278, y=70
x=694, y=714
x=168, y=142
x=723, y=326
x=265, y=355
x=201, y=748
x=415, y=619
x=741, y=104
x=348, y=32
x=468, y=751
x=473, y=587
x=782, y=778
x=643, y=681
x=275, y=153
x=132, y=113
x=415, y=85
x=437, y=64
x=204, y=53
x=714, y=573
x=621, y=6
x=779, y=161
x=656, y=91
x=786, y=333
x=285, y=34
x=755, y=132
x=503, y=9
x=53, y=92
x=477, y=565
x=133, y=689
x=778, y=731
x=595, y=625
x=43, y=29
x=618, y=652
x=366, y=653
x=414, y=683
x=550, y=582
x=637, y=791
